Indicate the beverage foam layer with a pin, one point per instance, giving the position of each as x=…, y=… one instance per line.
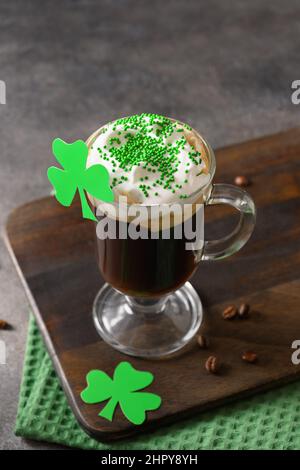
x=151, y=159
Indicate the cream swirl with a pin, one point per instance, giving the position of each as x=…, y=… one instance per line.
x=151, y=159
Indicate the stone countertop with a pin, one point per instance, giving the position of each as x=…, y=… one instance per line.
x=224, y=67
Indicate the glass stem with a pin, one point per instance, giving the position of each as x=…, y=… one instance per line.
x=146, y=305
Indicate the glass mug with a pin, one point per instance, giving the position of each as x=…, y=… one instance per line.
x=147, y=307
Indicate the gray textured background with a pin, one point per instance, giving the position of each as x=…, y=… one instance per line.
x=225, y=67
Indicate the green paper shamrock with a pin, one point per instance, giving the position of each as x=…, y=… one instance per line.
x=122, y=389
x=75, y=176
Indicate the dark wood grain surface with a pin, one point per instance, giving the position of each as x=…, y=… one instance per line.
x=53, y=249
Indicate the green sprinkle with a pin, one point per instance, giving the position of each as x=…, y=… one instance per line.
x=145, y=146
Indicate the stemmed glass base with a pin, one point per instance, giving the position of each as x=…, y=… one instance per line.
x=148, y=328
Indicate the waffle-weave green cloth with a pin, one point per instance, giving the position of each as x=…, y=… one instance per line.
x=266, y=421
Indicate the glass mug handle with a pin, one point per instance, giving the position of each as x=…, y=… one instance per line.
x=230, y=244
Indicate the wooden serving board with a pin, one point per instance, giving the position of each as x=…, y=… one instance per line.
x=53, y=250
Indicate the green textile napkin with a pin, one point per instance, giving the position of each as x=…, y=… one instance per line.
x=266, y=421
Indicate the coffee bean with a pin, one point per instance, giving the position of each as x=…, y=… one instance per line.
x=229, y=312
x=243, y=310
x=242, y=180
x=202, y=341
x=3, y=324
x=212, y=365
x=249, y=356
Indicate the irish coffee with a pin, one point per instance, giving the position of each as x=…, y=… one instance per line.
x=159, y=166
x=153, y=161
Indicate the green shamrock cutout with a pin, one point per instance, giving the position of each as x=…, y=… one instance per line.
x=75, y=176
x=123, y=390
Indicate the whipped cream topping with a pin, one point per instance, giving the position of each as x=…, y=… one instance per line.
x=151, y=159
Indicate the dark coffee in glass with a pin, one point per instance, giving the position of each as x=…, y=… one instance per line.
x=147, y=307
x=146, y=267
